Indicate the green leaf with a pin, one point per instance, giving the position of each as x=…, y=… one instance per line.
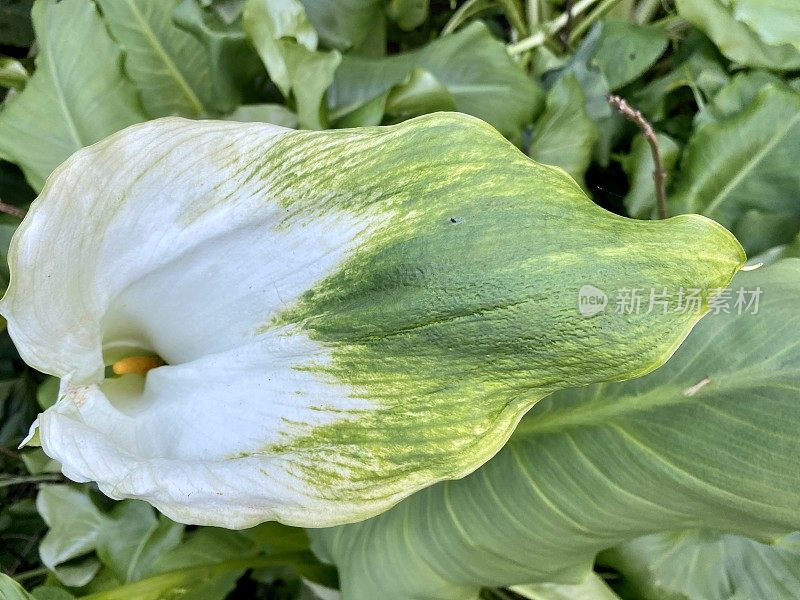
x=37, y=462
x=745, y=164
x=709, y=440
x=135, y=539
x=277, y=114
x=735, y=96
x=471, y=65
x=73, y=98
x=627, y=50
x=640, y=201
x=420, y=94
x=595, y=90
x=564, y=135
x=705, y=565
x=12, y=73
x=168, y=65
x=209, y=546
x=790, y=250
x=311, y=74
x=287, y=43
x=191, y=582
x=75, y=524
x=48, y=592
x=408, y=14
x=275, y=538
x=47, y=392
x=735, y=39
x=19, y=524
x=593, y=81
x=232, y=61
x=343, y=24
x=776, y=22
x=699, y=68
x=8, y=225
x=11, y=590
x=266, y=22
x=592, y=588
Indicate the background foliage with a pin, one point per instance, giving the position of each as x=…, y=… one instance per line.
x=653, y=488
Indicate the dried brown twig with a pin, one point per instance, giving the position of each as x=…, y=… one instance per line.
x=12, y=210
x=659, y=175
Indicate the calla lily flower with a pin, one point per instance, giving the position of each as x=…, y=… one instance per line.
x=254, y=323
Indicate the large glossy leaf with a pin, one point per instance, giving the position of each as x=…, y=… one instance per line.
x=267, y=22
x=168, y=64
x=132, y=543
x=735, y=39
x=233, y=63
x=11, y=590
x=12, y=73
x=704, y=565
x=626, y=51
x=343, y=24
x=591, y=588
x=75, y=524
x=470, y=65
x=74, y=98
x=206, y=547
x=709, y=440
x=277, y=114
x=592, y=80
x=205, y=581
x=698, y=66
x=408, y=14
x=287, y=44
x=790, y=250
x=735, y=96
x=777, y=22
x=743, y=168
x=564, y=135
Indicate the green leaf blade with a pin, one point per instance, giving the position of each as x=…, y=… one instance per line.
x=167, y=64
x=706, y=439
x=73, y=99
x=744, y=163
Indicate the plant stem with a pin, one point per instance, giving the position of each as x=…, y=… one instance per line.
x=12, y=210
x=659, y=175
x=591, y=18
x=10, y=453
x=550, y=28
x=534, y=14
x=464, y=12
x=25, y=575
x=645, y=11
x=514, y=16
x=9, y=481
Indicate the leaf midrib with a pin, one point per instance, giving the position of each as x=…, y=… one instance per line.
x=750, y=165
x=68, y=117
x=671, y=394
x=172, y=69
x=137, y=554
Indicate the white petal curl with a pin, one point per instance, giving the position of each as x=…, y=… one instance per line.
x=192, y=268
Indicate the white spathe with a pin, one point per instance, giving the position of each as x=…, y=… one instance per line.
x=192, y=268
